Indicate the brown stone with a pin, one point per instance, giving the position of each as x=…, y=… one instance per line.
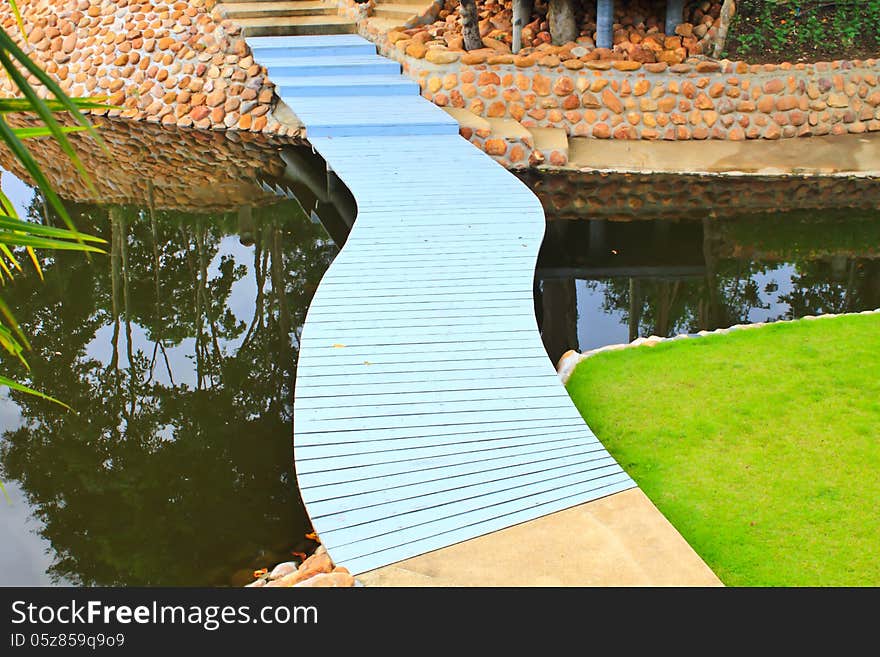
x=627, y=65
x=473, y=58
x=601, y=131
x=766, y=104
x=496, y=109
x=704, y=102
x=496, y=147
x=563, y=86
x=440, y=56
x=416, y=49
x=589, y=100
x=326, y=580
x=774, y=86
x=611, y=101
x=772, y=132
x=667, y=104
x=541, y=85
x=215, y=98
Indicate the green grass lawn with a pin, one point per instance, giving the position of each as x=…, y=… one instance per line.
x=762, y=446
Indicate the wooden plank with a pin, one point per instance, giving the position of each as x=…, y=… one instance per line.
x=426, y=410
x=360, y=562
x=324, y=485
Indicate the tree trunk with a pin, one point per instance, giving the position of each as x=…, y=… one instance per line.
x=470, y=30
x=674, y=15
x=604, y=23
x=728, y=9
x=522, y=12
x=563, y=27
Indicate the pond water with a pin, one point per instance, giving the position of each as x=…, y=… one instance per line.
x=602, y=282
x=177, y=354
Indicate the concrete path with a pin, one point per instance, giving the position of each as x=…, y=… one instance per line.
x=839, y=155
x=620, y=540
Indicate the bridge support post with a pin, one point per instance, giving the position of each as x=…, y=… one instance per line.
x=674, y=15
x=604, y=23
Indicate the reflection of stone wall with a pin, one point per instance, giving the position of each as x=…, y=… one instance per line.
x=189, y=170
x=161, y=60
x=628, y=197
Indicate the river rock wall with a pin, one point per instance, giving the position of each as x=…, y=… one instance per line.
x=175, y=63
x=575, y=89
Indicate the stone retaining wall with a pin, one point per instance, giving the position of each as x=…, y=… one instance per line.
x=622, y=99
x=163, y=61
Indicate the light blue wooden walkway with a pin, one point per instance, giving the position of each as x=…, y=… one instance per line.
x=426, y=409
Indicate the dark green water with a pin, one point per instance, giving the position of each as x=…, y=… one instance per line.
x=177, y=354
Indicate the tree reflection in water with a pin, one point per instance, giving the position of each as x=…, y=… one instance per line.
x=664, y=278
x=177, y=353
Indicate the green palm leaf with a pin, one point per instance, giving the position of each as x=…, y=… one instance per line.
x=22, y=388
x=44, y=131
x=8, y=105
x=16, y=224
x=49, y=120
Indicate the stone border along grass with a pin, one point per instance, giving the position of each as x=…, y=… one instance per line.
x=522, y=108
x=570, y=359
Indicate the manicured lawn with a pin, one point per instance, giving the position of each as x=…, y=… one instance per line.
x=761, y=446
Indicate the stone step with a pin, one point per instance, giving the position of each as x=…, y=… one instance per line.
x=376, y=115
x=278, y=10
x=279, y=65
x=384, y=24
x=509, y=129
x=310, y=46
x=398, y=11
x=329, y=85
x=296, y=25
x=553, y=143
x=421, y=3
x=468, y=120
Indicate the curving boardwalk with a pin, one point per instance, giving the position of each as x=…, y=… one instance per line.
x=426, y=409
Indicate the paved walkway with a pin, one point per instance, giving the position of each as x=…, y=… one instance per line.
x=857, y=155
x=427, y=412
x=620, y=540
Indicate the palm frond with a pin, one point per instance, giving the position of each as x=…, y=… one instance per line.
x=22, y=388
x=51, y=123
x=9, y=105
x=17, y=14
x=44, y=131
